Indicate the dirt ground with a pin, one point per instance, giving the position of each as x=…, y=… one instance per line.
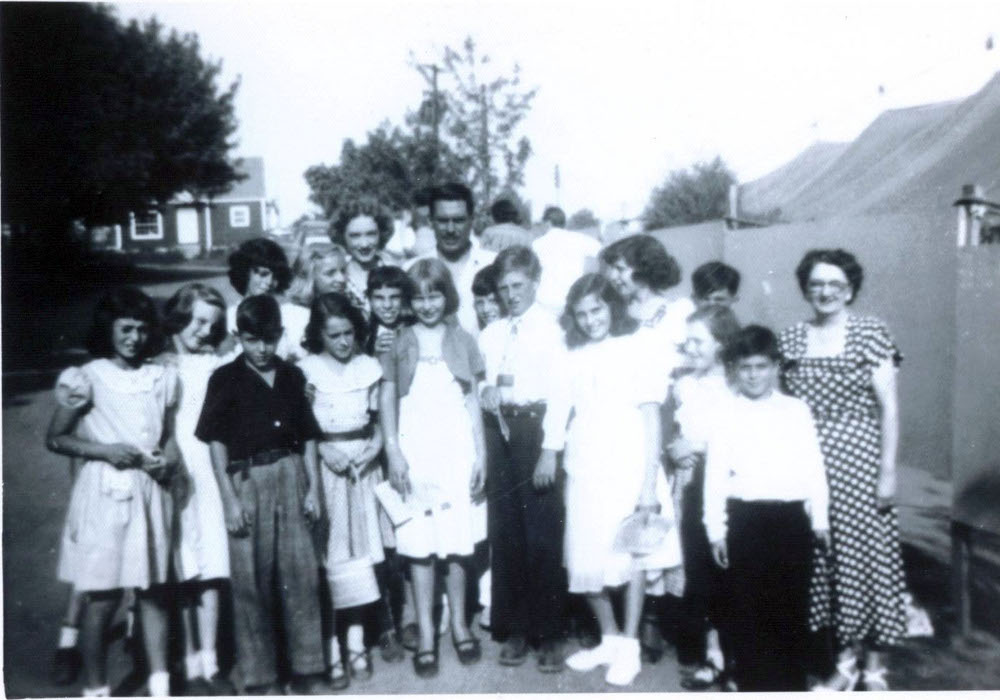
x=36, y=487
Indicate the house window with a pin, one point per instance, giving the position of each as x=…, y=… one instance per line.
x=239, y=216
x=147, y=226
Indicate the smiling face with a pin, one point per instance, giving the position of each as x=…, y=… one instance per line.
x=194, y=337
x=428, y=306
x=828, y=290
x=593, y=316
x=701, y=349
x=452, y=227
x=361, y=239
x=329, y=275
x=128, y=339
x=517, y=290
x=338, y=338
x=619, y=273
x=261, y=280
x=387, y=304
x=487, y=309
x=756, y=376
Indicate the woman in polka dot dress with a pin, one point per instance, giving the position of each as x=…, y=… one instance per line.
x=844, y=367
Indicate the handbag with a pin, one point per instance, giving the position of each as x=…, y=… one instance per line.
x=641, y=534
x=352, y=581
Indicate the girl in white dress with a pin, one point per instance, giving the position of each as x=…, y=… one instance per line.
x=195, y=319
x=344, y=386
x=613, y=467
x=117, y=532
x=436, y=453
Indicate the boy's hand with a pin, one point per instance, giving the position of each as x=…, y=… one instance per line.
x=545, y=470
x=238, y=519
x=824, y=538
x=310, y=393
x=720, y=553
x=490, y=399
x=680, y=449
x=310, y=506
x=123, y=456
x=383, y=343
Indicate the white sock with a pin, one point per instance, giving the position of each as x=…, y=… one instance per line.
x=68, y=636
x=159, y=684
x=356, y=638
x=334, y=646
x=209, y=662
x=103, y=692
x=192, y=665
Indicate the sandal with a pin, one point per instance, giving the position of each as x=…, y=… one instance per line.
x=874, y=679
x=425, y=664
x=360, y=663
x=391, y=649
x=469, y=651
x=339, y=680
x=701, y=677
x=844, y=680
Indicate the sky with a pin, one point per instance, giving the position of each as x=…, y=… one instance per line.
x=628, y=91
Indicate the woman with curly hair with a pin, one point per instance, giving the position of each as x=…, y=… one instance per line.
x=363, y=227
x=260, y=266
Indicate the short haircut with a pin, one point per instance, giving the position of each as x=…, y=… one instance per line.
x=750, y=341
x=123, y=302
x=325, y=307
x=259, y=316
x=177, y=310
x=555, y=216
x=651, y=264
x=517, y=257
x=362, y=207
x=853, y=271
x=714, y=276
x=431, y=273
x=259, y=252
x=392, y=277
x=720, y=321
x=310, y=257
x=485, y=281
x=451, y=192
x=505, y=211
x=601, y=287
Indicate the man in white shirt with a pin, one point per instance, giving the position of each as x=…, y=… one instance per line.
x=451, y=216
x=565, y=256
x=526, y=511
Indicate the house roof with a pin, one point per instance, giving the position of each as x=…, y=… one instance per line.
x=253, y=186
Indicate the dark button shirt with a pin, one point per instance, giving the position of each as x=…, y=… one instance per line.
x=247, y=416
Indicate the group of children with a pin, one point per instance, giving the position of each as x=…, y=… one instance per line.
x=260, y=464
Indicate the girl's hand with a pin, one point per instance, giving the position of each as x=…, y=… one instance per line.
x=310, y=506
x=824, y=537
x=720, y=553
x=680, y=450
x=123, y=456
x=399, y=473
x=885, y=489
x=478, y=479
x=311, y=393
x=335, y=460
x=239, y=520
x=383, y=343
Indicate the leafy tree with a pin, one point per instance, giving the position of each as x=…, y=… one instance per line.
x=479, y=112
x=99, y=118
x=699, y=193
x=581, y=220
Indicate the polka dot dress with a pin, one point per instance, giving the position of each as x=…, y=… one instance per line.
x=858, y=587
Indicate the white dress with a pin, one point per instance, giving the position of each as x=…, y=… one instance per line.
x=605, y=463
x=203, y=542
x=435, y=437
x=343, y=398
x=117, y=531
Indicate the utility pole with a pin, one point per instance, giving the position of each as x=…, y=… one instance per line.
x=435, y=111
x=484, y=145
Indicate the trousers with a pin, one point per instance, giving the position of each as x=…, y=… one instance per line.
x=770, y=548
x=275, y=575
x=525, y=528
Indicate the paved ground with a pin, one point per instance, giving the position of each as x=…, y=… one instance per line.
x=36, y=487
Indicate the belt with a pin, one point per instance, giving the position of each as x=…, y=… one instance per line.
x=362, y=433
x=257, y=460
x=535, y=409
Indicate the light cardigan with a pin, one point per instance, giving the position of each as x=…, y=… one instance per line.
x=764, y=450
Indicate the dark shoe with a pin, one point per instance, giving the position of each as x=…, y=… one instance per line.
x=313, y=684
x=197, y=687
x=339, y=680
x=514, y=652
x=469, y=651
x=266, y=689
x=390, y=648
x=550, y=657
x=425, y=664
x=410, y=637
x=360, y=665
x=221, y=686
x=66, y=666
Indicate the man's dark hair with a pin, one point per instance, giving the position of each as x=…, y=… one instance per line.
x=555, y=216
x=505, y=211
x=450, y=192
x=714, y=276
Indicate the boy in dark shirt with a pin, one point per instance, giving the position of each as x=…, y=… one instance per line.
x=262, y=436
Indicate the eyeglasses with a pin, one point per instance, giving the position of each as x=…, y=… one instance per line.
x=833, y=286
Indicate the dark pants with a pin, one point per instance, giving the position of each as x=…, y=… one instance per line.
x=526, y=536
x=704, y=602
x=770, y=546
x=275, y=575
